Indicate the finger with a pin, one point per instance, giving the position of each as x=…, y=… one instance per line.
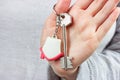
x=83, y=4
x=61, y=7
x=95, y=6
x=103, y=29
x=105, y=11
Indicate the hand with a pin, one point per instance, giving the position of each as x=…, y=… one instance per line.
x=91, y=21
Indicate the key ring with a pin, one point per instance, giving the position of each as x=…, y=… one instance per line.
x=55, y=10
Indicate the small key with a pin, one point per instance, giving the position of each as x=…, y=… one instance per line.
x=66, y=20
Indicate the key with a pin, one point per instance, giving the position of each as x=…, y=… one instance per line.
x=66, y=20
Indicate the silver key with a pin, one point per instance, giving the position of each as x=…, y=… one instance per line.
x=66, y=20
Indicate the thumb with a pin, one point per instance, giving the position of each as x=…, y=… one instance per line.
x=62, y=6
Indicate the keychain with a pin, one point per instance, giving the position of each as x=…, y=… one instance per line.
x=51, y=50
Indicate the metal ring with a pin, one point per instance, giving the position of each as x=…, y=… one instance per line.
x=55, y=10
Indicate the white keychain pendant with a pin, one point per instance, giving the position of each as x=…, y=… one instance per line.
x=51, y=49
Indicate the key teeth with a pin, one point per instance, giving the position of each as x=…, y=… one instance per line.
x=62, y=62
x=69, y=63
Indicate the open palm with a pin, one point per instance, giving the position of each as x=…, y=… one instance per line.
x=91, y=20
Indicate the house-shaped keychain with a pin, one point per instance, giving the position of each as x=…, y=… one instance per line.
x=51, y=49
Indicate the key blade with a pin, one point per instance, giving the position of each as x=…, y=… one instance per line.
x=65, y=46
x=62, y=62
x=69, y=63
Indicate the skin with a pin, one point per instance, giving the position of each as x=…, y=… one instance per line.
x=91, y=20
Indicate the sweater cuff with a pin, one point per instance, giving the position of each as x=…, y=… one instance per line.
x=87, y=70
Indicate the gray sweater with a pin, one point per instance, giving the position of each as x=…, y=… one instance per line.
x=20, y=27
